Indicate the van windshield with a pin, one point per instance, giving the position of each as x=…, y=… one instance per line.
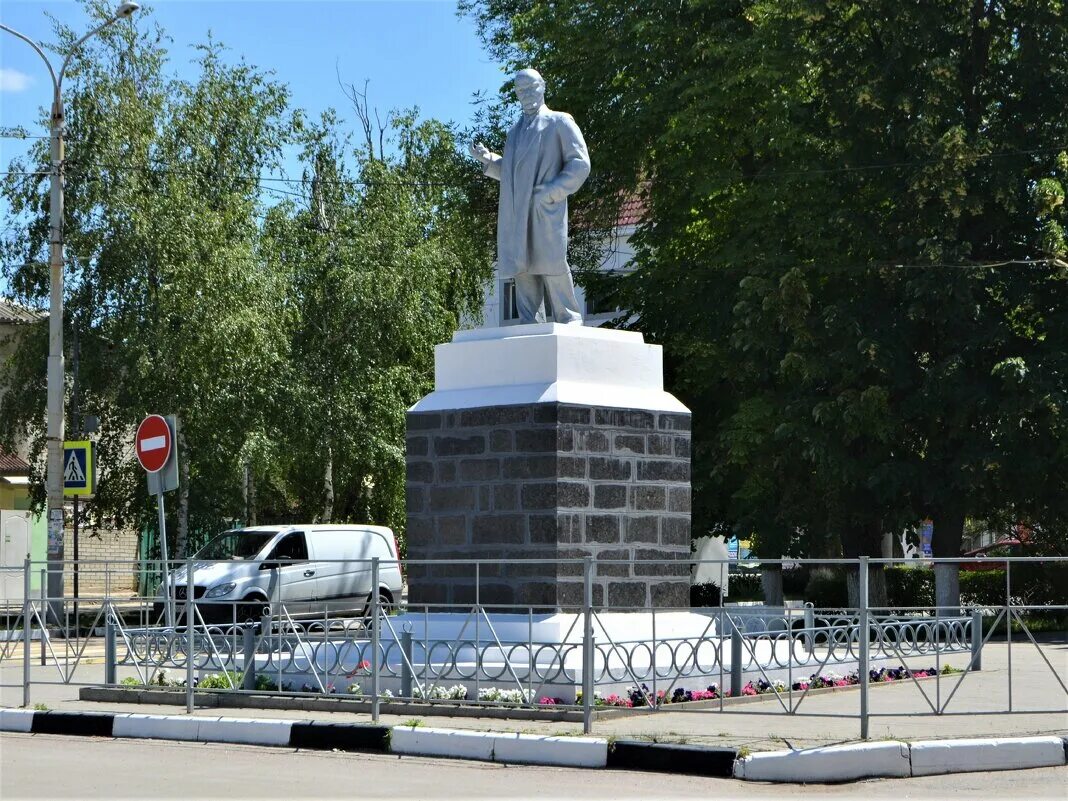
x=235, y=545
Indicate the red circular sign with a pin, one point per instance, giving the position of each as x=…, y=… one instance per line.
x=153, y=443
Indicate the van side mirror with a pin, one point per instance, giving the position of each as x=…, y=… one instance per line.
x=268, y=566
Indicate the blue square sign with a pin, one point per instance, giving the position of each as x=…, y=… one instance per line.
x=78, y=468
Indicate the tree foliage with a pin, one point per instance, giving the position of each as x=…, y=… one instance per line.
x=288, y=337
x=853, y=248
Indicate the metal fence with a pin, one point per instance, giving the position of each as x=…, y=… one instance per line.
x=587, y=660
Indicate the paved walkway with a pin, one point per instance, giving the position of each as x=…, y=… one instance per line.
x=977, y=707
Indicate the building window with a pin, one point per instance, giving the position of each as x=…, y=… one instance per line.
x=509, y=310
x=509, y=307
x=598, y=300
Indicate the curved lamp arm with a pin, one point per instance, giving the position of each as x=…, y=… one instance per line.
x=40, y=52
x=125, y=10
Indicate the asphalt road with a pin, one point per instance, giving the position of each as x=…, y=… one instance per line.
x=44, y=766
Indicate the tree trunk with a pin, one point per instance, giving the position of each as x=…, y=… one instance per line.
x=771, y=583
x=328, y=486
x=182, y=541
x=251, y=497
x=945, y=544
x=865, y=539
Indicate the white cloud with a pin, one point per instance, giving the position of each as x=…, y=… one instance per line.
x=13, y=80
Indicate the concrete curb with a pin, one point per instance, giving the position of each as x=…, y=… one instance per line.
x=532, y=749
x=830, y=764
x=695, y=760
x=1001, y=753
x=899, y=759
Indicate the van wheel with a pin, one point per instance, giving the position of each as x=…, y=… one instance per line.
x=385, y=606
x=251, y=610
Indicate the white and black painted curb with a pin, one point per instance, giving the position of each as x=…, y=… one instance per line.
x=853, y=761
x=830, y=764
x=513, y=748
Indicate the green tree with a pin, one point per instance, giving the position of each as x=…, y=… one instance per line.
x=383, y=260
x=174, y=313
x=810, y=169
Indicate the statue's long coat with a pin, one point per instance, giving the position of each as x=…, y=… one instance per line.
x=548, y=151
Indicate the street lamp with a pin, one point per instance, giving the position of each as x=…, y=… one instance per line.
x=54, y=464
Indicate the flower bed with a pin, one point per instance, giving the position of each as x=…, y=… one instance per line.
x=641, y=696
x=634, y=697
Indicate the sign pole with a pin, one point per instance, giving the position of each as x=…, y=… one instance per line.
x=76, y=566
x=168, y=599
x=156, y=453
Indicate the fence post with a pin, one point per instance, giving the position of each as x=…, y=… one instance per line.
x=977, y=640
x=406, y=664
x=248, y=649
x=736, y=658
x=587, y=645
x=374, y=639
x=44, y=606
x=189, y=644
x=110, y=656
x=810, y=626
x=863, y=635
x=27, y=631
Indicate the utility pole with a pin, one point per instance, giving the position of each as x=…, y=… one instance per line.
x=56, y=387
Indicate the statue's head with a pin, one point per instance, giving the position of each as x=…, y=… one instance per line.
x=530, y=90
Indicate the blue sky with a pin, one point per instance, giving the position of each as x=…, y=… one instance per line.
x=413, y=52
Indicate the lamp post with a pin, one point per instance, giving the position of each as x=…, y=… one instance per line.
x=54, y=464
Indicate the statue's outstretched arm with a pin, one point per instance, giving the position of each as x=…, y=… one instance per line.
x=490, y=161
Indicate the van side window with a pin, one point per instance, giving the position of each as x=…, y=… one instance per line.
x=293, y=547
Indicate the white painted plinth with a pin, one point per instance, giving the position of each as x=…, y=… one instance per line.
x=548, y=363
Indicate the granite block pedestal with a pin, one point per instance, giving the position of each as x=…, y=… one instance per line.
x=549, y=442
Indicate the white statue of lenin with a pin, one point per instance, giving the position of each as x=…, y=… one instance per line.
x=545, y=160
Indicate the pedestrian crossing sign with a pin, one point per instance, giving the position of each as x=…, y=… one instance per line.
x=79, y=475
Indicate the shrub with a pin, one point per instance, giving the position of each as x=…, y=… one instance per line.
x=220, y=681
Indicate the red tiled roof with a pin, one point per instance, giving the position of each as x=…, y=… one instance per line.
x=9, y=463
x=631, y=212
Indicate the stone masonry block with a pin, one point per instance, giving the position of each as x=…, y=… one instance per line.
x=675, y=530
x=539, y=466
x=420, y=472
x=459, y=446
x=449, y=499
x=505, y=497
x=610, y=468
x=602, y=528
x=645, y=498
x=494, y=416
x=502, y=441
x=422, y=421
x=663, y=470
x=629, y=443
x=673, y=422
x=670, y=594
x=538, y=496
x=572, y=494
x=479, y=469
x=591, y=441
x=643, y=529
x=498, y=529
x=537, y=440
x=610, y=496
x=624, y=418
x=627, y=594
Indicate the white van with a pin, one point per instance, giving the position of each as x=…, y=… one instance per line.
x=308, y=569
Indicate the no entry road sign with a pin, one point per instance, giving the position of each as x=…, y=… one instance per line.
x=153, y=443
